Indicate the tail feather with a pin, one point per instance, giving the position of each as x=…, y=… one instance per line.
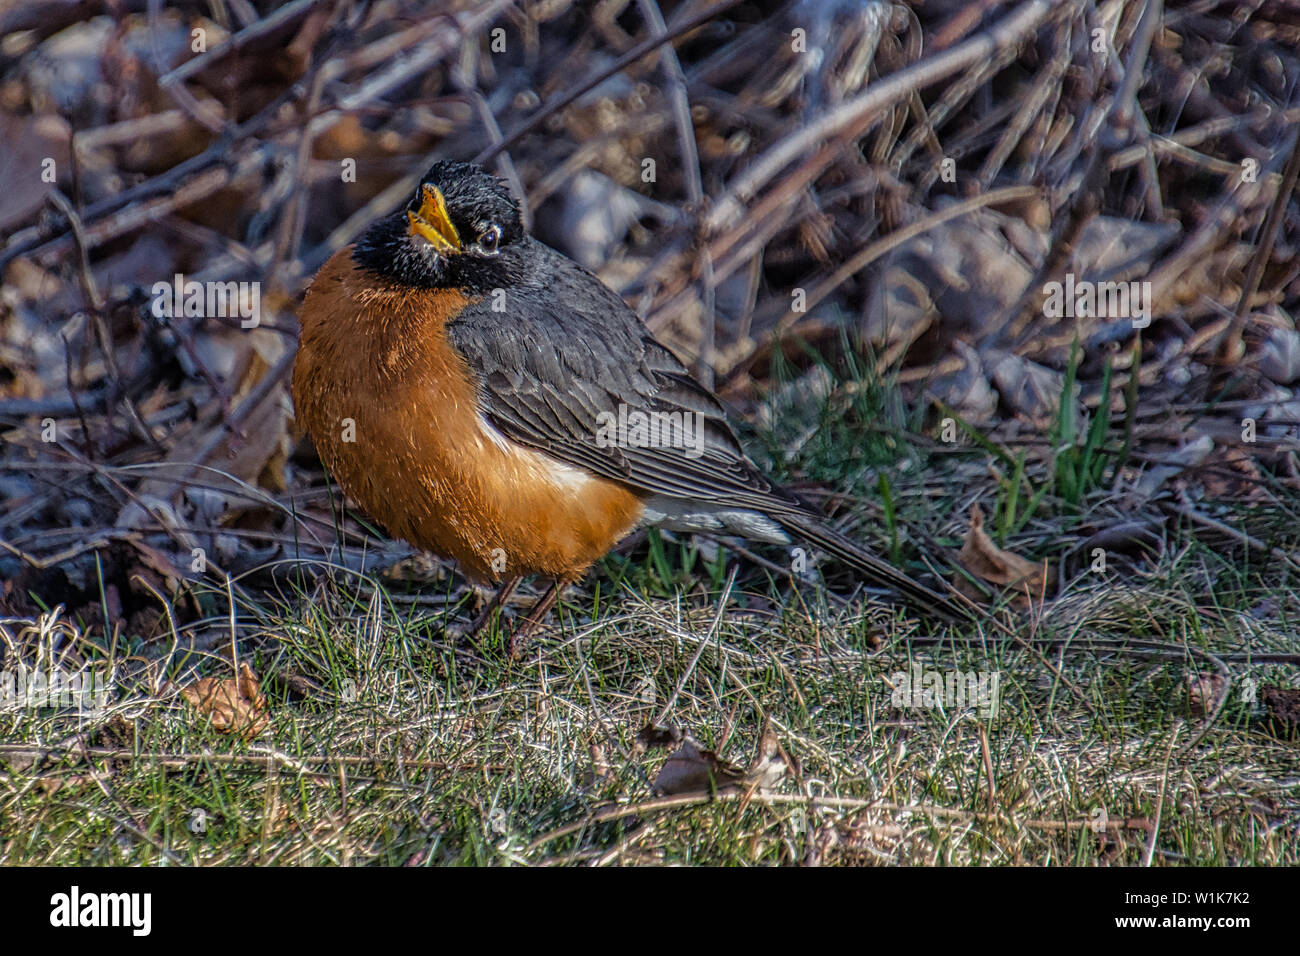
x=873, y=569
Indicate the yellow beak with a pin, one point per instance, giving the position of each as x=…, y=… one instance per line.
x=433, y=223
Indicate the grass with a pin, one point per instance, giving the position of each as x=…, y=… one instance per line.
x=390, y=744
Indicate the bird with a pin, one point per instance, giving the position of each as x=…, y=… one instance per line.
x=485, y=397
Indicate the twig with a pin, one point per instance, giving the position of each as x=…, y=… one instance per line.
x=631, y=56
x=267, y=24
x=1231, y=346
x=854, y=114
x=256, y=758
x=680, y=102
x=658, y=805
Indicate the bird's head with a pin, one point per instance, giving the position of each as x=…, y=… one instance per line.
x=461, y=229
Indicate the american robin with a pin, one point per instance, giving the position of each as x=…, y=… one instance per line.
x=486, y=398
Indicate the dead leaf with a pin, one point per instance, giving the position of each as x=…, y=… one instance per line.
x=53, y=784
x=984, y=559
x=653, y=735
x=32, y=144
x=600, y=771
x=1283, y=706
x=599, y=765
x=1029, y=389
x=1156, y=476
x=232, y=704
x=959, y=382
x=770, y=763
x=1234, y=477
x=692, y=769
x=1279, y=357
x=1114, y=248
x=961, y=276
x=1204, y=693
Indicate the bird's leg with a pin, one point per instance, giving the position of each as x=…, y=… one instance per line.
x=484, y=620
x=524, y=629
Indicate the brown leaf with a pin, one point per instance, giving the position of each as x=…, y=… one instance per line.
x=691, y=769
x=1283, y=706
x=771, y=762
x=600, y=769
x=1235, y=476
x=30, y=142
x=653, y=735
x=1203, y=693
x=1279, y=357
x=961, y=384
x=960, y=276
x=1157, y=476
x=233, y=704
x=53, y=784
x=1028, y=388
x=984, y=559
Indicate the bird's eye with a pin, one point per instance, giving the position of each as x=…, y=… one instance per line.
x=490, y=239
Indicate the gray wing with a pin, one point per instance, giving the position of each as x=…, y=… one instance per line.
x=559, y=357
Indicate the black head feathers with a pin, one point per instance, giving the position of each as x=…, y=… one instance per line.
x=460, y=229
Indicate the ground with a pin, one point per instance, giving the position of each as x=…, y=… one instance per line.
x=859, y=223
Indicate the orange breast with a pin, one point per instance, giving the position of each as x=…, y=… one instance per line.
x=392, y=409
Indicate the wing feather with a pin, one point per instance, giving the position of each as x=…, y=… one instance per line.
x=561, y=355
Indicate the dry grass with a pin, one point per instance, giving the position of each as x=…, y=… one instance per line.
x=391, y=742
x=1128, y=731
